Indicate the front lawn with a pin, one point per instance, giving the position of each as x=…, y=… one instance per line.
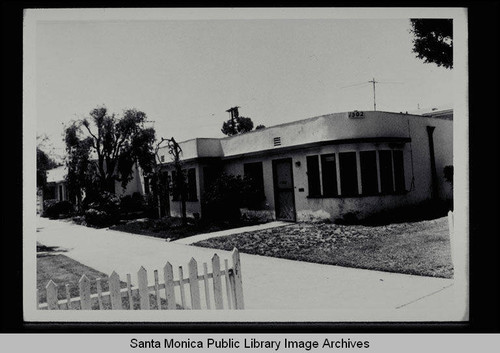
x=64, y=270
x=420, y=248
x=172, y=228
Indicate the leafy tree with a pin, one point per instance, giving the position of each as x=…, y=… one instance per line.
x=240, y=126
x=259, y=127
x=103, y=148
x=433, y=40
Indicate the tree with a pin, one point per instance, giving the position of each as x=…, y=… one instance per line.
x=103, y=148
x=433, y=40
x=179, y=181
x=43, y=164
x=237, y=124
x=260, y=127
x=241, y=126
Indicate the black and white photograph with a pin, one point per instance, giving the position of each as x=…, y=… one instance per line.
x=245, y=165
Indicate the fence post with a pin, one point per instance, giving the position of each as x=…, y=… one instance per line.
x=68, y=297
x=217, y=282
x=194, y=286
x=129, y=292
x=115, y=295
x=84, y=287
x=51, y=288
x=99, y=293
x=229, y=292
x=157, y=290
x=205, y=283
x=143, y=288
x=181, y=287
x=168, y=277
x=238, y=284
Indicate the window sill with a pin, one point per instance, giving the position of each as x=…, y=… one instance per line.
x=352, y=196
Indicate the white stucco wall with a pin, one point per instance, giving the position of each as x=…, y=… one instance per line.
x=237, y=150
x=377, y=124
x=134, y=185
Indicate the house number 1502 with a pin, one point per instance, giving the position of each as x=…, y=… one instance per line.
x=356, y=115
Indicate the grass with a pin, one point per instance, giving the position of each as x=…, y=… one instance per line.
x=172, y=228
x=420, y=248
x=64, y=270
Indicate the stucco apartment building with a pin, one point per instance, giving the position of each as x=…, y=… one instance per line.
x=325, y=167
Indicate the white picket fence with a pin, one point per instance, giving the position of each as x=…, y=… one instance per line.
x=164, y=293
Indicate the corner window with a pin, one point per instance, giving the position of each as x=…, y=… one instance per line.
x=369, y=178
x=329, y=175
x=386, y=176
x=399, y=172
x=348, y=174
x=313, y=176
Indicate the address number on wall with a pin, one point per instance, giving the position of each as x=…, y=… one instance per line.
x=356, y=115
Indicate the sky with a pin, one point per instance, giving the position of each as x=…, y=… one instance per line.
x=185, y=74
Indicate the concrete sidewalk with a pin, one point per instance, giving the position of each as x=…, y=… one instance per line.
x=200, y=237
x=268, y=283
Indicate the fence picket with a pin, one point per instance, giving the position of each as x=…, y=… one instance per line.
x=68, y=297
x=194, y=286
x=238, y=284
x=181, y=286
x=99, y=293
x=217, y=282
x=143, y=288
x=228, y=285
x=84, y=288
x=129, y=292
x=205, y=282
x=51, y=289
x=115, y=295
x=157, y=290
x=233, y=285
x=168, y=277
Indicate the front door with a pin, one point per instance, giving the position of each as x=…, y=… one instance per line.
x=284, y=199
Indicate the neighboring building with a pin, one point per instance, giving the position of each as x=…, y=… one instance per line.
x=56, y=184
x=328, y=166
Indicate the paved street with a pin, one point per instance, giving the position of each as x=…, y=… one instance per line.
x=308, y=291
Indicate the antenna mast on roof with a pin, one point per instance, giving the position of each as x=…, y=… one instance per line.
x=373, y=82
x=234, y=114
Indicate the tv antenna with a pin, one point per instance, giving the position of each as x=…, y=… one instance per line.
x=373, y=82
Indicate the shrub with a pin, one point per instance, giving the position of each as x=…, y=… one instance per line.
x=223, y=198
x=57, y=209
x=103, y=210
x=132, y=203
x=253, y=195
x=151, y=206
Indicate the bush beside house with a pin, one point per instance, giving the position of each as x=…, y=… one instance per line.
x=54, y=209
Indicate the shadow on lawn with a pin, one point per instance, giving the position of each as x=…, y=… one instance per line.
x=43, y=250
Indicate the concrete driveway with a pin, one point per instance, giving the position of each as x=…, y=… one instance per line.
x=299, y=291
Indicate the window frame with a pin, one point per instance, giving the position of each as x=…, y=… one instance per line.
x=317, y=174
